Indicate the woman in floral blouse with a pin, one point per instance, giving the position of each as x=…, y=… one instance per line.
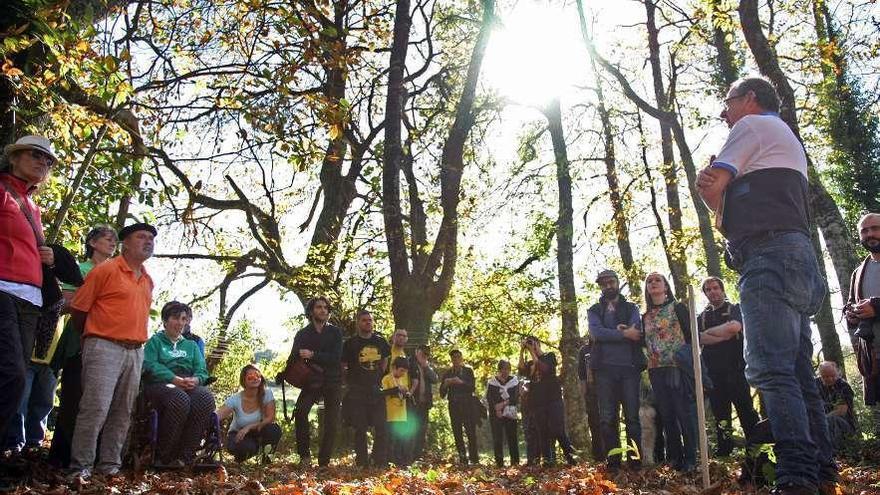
x=667, y=329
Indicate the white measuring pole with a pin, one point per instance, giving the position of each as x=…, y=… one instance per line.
x=698, y=389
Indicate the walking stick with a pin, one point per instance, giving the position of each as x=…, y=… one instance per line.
x=698, y=378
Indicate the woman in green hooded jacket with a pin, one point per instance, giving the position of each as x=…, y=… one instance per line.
x=175, y=376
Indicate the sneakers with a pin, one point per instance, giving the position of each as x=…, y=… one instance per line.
x=81, y=474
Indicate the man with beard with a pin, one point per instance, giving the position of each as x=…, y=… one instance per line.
x=720, y=327
x=321, y=343
x=365, y=357
x=862, y=310
x=617, y=362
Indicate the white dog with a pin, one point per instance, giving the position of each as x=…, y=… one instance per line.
x=647, y=420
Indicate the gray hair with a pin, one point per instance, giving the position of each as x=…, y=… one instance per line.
x=764, y=92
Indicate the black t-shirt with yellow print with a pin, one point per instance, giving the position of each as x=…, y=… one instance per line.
x=363, y=358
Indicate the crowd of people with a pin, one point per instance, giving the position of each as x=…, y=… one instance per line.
x=757, y=187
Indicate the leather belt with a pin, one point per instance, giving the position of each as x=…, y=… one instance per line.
x=128, y=344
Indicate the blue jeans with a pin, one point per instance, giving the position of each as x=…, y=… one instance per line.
x=678, y=411
x=618, y=386
x=28, y=427
x=780, y=288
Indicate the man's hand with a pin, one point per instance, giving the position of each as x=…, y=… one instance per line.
x=863, y=310
x=421, y=358
x=706, y=178
x=306, y=354
x=47, y=256
x=631, y=333
x=711, y=183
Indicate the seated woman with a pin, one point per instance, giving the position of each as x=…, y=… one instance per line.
x=175, y=377
x=253, y=416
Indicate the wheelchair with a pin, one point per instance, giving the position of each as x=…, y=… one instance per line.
x=143, y=439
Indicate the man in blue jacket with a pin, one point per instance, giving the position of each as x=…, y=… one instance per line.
x=617, y=361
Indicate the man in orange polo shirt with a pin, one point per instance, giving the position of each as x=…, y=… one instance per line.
x=113, y=309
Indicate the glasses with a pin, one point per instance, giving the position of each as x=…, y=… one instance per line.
x=253, y=374
x=727, y=101
x=42, y=156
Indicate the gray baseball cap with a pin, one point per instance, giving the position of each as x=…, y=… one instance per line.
x=606, y=274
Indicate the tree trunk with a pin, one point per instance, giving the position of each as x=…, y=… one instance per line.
x=823, y=207
x=393, y=159
x=649, y=178
x=424, y=276
x=831, y=350
x=849, y=123
x=727, y=66
x=619, y=203
x=339, y=190
x=670, y=120
x=670, y=175
x=571, y=339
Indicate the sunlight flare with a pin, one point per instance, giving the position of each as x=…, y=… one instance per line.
x=536, y=54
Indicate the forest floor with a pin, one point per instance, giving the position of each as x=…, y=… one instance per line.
x=285, y=478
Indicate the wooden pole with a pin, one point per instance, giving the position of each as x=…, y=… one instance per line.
x=698, y=378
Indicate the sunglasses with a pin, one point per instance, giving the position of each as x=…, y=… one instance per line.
x=42, y=156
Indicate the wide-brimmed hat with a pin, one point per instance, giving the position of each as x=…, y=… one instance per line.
x=31, y=143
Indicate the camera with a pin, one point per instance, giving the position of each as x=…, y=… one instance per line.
x=865, y=327
x=865, y=330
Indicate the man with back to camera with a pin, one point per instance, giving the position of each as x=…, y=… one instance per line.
x=457, y=385
x=757, y=187
x=423, y=377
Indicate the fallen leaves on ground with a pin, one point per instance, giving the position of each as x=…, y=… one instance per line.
x=424, y=479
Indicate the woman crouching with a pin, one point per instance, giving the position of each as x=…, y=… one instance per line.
x=253, y=417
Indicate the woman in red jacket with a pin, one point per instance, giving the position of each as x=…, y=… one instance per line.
x=25, y=164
